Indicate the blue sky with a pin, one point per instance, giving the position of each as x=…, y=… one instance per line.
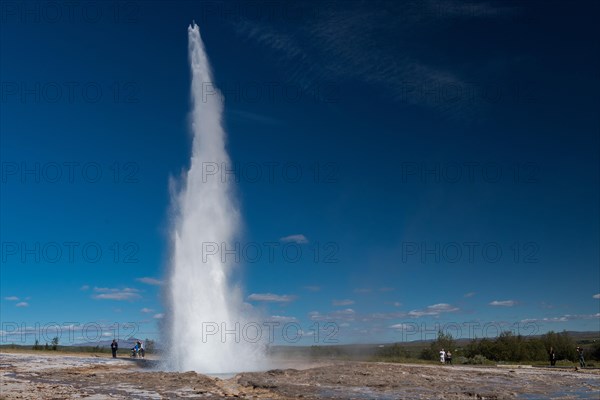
x=435, y=163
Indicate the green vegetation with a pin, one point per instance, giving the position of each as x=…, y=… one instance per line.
x=505, y=348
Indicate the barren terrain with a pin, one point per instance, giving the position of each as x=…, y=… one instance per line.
x=42, y=376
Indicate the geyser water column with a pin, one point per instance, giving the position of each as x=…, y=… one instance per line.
x=207, y=320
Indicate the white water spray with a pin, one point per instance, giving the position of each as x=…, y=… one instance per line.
x=203, y=302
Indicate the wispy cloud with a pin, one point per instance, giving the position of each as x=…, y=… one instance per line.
x=22, y=304
x=470, y=294
x=282, y=318
x=150, y=281
x=158, y=316
x=116, y=294
x=270, y=297
x=297, y=238
x=433, y=310
x=563, y=318
x=386, y=289
x=345, y=302
x=11, y=298
x=404, y=327
x=503, y=303
x=363, y=290
x=84, y=288
x=596, y=296
x=146, y=310
x=379, y=316
x=374, y=45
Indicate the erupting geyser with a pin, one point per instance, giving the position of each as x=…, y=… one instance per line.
x=206, y=320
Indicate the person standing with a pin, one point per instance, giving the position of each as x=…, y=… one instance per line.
x=581, y=359
x=449, y=357
x=552, y=356
x=142, y=348
x=135, y=350
x=114, y=346
x=442, y=356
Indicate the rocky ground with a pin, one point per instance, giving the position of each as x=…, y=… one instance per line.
x=34, y=376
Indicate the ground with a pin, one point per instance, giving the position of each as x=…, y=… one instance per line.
x=46, y=376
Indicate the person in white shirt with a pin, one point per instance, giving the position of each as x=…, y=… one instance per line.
x=142, y=349
x=442, y=356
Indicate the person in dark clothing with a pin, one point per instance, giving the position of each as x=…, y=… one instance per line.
x=448, y=357
x=552, y=356
x=114, y=346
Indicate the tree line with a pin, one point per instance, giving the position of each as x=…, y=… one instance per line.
x=507, y=347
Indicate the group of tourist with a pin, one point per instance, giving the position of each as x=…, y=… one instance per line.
x=446, y=357
x=137, y=351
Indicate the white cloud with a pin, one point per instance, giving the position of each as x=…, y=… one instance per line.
x=84, y=287
x=397, y=304
x=298, y=238
x=270, y=297
x=146, y=310
x=596, y=296
x=150, y=281
x=22, y=304
x=282, y=318
x=405, y=327
x=380, y=316
x=116, y=294
x=158, y=316
x=345, y=302
x=11, y=298
x=470, y=294
x=433, y=310
x=503, y=303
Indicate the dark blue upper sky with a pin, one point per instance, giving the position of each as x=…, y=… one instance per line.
x=435, y=162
